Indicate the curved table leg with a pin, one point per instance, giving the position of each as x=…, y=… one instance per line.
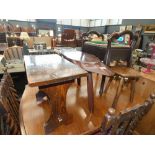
x=57, y=99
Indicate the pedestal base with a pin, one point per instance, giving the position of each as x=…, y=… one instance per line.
x=55, y=95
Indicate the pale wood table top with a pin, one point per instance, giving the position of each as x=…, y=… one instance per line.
x=49, y=69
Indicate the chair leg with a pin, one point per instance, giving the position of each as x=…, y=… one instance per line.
x=133, y=82
x=79, y=81
x=102, y=85
x=118, y=92
x=90, y=92
x=108, y=84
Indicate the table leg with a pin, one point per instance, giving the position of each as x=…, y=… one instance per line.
x=90, y=92
x=57, y=100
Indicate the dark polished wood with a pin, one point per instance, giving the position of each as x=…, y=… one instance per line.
x=68, y=38
x=50, y=69
x=108, y=56
x=9, y=105
x=126, y=121
x=53, y=74
x=122, y=73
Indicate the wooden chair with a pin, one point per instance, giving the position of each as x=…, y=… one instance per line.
x=7, y=124
x=9, y=104
x=13, y=53
x=125, y=122
x=69, y=38
x=87, y=36
x=124, y=74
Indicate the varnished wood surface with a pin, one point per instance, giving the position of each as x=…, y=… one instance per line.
x=125, y=71
x=47, y=69
x=150, y=76
x=87, y=61
x=34, y=116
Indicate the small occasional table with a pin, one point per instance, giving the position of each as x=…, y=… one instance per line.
x=53, y=75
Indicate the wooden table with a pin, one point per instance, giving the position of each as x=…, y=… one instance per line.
x=53, y=75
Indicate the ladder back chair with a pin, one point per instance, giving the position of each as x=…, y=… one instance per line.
x=125, y=122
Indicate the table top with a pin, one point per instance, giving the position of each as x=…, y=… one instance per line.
x=87, y=61
x=80, y=56
x=50, y=69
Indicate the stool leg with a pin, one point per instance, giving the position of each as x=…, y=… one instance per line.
x=90, y=92
x=102, y=85
x=133, y=82
x=79, y=81
x=118, y=92
x=108, y=84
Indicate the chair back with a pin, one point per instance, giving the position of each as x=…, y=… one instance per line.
x=120, y=53
x=14, y=53
x=9, y=103
x=126, y=121
x=85, y=36
x=69, y=38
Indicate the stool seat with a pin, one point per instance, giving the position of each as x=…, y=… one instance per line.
x=125, y=72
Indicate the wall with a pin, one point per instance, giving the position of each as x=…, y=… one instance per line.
x=100, y=29
x=137, y=21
